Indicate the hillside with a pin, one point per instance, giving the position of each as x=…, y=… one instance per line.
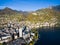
x=45, y=15
x=50, y=15
x=7, y=15
x=42, y=15
x=56, y=8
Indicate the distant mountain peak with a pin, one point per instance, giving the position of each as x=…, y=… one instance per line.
x=56, y=8
x=7, y=8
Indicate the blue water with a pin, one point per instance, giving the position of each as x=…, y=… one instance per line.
x=48, y=36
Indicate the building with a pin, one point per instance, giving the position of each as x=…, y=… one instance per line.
x=46, y=24
x=20, y=32
x=34, y=13
x=15, y=31
x=5, y=38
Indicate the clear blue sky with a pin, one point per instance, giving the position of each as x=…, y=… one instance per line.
x=28, y=5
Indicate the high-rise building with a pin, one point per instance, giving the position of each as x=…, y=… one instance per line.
x=20, y=32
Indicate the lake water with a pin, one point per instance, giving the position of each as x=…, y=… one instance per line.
x=48, y=36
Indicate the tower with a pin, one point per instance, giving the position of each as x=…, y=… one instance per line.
x=20, y=32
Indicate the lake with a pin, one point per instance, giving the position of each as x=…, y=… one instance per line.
x=48, y=36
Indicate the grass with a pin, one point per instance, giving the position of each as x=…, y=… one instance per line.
x=0, y=43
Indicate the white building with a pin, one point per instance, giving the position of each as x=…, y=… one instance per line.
x=20, y=32
x=46, y=24
x=32, y=34
x=15, y=36
x=25, y=36
x=34, y=13
x=5, y=38
x=52, y=24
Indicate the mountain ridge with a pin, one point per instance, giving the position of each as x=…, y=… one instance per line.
x=49, y=15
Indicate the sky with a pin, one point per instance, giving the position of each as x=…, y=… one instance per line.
x=28, y=5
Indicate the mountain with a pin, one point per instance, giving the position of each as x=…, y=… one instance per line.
x=10, y=11
x=56, y=8
x=7, y=11
x=8, y=14
x=43, y=15
x=50, y=15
